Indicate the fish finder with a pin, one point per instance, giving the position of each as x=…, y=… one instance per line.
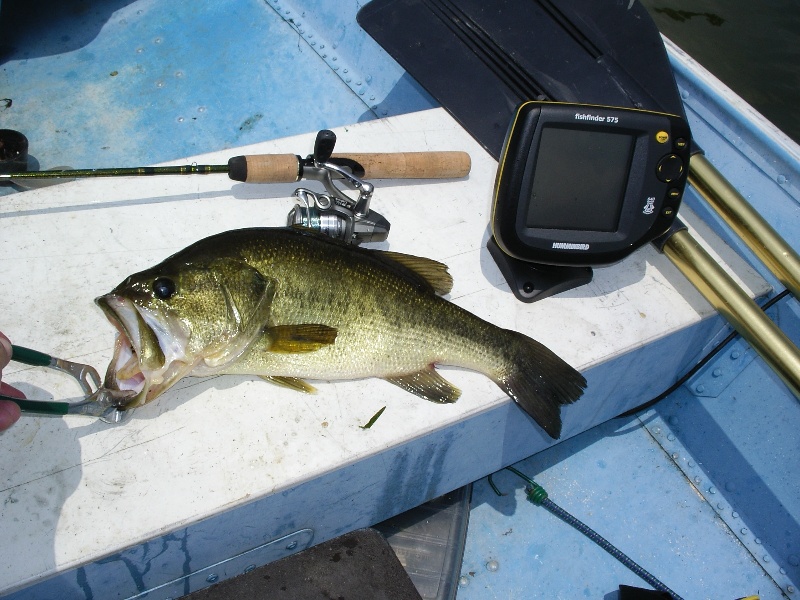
x=594, y=162
x=580, y=186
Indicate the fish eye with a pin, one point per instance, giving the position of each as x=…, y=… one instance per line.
x=164, y=288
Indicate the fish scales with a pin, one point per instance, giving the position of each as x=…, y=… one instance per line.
x=290, y=305
x=384, y=325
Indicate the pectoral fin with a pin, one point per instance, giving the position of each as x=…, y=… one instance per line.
x=291, y=383
x=299, y=338
x=427, y=384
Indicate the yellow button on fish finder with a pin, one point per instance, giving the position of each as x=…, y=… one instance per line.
x=662, y=137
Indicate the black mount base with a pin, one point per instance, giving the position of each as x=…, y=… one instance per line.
x=532, y=281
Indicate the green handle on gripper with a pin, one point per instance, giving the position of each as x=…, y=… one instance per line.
x=30, y=357
x=41, y=407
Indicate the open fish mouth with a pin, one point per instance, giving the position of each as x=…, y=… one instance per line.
x=148, y=355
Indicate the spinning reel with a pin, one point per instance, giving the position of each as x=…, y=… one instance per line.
x=334, y=213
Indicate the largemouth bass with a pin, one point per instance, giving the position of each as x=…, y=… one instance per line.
x=290, y=305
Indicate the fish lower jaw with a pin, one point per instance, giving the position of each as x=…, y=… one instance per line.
x=136, y=382
x=124, y=371
x=147, y=386
x=157, y=383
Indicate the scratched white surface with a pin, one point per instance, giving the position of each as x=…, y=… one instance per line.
x=74, y=490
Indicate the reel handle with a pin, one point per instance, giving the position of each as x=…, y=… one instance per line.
x=323, y=146
x=288, y=168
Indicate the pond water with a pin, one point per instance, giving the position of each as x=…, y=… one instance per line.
x=753, y=47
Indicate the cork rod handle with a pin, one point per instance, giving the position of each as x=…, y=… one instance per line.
x=287, y=168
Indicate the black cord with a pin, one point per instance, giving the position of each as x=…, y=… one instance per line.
x=538, y=496
x=703, y=362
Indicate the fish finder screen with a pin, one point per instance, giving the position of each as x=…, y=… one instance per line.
x=579, y=179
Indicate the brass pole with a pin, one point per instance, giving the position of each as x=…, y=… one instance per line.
x=736, y=306
x=748, y=224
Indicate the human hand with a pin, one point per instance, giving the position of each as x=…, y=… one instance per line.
x=9, y=411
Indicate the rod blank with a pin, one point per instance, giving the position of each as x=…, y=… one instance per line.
x=287, y=168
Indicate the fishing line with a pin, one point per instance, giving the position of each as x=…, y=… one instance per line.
x=538, y=495
x=703, y=362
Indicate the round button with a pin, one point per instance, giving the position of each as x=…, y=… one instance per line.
x=662, y=137
x=669, y=168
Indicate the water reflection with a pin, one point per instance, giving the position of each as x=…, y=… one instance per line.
x=755, y=53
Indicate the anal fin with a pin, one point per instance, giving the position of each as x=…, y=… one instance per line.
x=427, y=384
x=300, y=338
x=292, y=383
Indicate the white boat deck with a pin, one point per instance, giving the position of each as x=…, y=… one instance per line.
x=223, y=466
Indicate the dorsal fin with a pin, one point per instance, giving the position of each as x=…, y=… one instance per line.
x=430, y=272
x=434, y=272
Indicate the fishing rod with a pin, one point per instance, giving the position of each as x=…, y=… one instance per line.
x=288, y=168
x=334, y=212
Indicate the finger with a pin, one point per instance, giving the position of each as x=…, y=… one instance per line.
x=8, y=390
x=9, y=414
x=5, y=351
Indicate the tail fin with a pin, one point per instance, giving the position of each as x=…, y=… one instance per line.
x=539, y=381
